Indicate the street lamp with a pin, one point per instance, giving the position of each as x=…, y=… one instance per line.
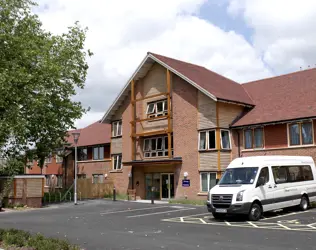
x=76, y=138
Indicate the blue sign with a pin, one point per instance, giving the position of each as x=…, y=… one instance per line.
x=185, y=183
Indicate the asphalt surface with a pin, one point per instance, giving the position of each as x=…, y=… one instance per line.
x=128, y=225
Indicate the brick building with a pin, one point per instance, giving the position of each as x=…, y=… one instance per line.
x=93, y=158
x=170, y=126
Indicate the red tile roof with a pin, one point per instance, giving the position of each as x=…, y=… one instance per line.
x=94, y=134
x=281, y=98
x=217, y=85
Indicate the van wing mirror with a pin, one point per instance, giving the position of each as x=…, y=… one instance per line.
x=261, y=181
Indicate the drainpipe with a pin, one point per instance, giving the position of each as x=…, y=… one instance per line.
x=238, y=138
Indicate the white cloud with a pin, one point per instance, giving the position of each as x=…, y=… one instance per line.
x=283, y=31
x=122, y=31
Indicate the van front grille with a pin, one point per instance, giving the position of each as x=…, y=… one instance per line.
x=222, y=200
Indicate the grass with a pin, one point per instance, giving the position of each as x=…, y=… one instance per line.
x=16, y=239
x=191, y=202
x=118, y=196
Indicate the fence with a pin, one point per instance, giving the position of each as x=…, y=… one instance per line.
x=89, y=190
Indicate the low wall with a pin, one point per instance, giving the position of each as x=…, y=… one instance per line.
x=24, y=190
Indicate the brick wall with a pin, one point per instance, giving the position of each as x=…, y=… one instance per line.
x=94, y=167
x=185, y=117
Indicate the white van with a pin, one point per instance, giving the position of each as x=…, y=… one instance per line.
x=253, y=185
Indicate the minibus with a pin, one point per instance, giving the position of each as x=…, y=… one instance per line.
x=254, y=185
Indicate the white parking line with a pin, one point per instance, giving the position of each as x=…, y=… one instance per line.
x=131, y=210
x=203, y=221
x=284, y=226
x=165, y=212
x=252, y=224
x=227, y=223
x=284, y=215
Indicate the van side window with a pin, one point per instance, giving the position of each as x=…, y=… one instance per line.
x=307, y=173
x=283, y=174
x=279, y=174
x=264, y=173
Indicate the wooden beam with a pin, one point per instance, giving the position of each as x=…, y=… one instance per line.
x=133, y=119
x=150, y=119
x=151, y=96
x=158, y=132
x=169, y=112
x=218, y=140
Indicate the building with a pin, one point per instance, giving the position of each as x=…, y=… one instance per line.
x=171, y=128
x=93, y=158
x=176, y=126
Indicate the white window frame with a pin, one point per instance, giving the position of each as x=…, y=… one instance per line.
x=48, y=180
x=208, y=180
x=59, y=159
x=118, y=125
x=48, y=159
x=301, y=136
x=117, y=161
x=164, y=149
x=155, y=113
x=229, y=135
x=207, y=139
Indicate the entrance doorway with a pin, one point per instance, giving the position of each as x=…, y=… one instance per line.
x=167, y=186
x=162, y=184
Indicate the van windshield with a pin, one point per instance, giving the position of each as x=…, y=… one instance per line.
x=239, y=176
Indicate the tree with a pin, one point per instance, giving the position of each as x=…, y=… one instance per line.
x=39, y=75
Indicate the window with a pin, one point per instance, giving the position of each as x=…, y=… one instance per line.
x=47, y=180
x=157, y=147
x=98, y=153
x=225, y=139
x=117, y=128
x=158, y=108
x=97, y=178
x=82, y=176
x=253, y=138
x=207, y=140
x=82, y=154
x=117, y=162
x=264, y=173
x=58, y=157
x=285, y=174
x=208, y=180
x=59, y=181
x=301, y=133
x=48, y=159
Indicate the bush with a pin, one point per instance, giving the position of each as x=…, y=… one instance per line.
x=18, y=238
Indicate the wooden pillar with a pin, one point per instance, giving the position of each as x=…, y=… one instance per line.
x=218, y=141
x=133, y=125
x=169, y=113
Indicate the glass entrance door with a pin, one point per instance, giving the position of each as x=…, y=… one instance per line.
x=167, y=186
x=152, y=181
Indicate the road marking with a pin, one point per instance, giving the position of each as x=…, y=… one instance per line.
x=131, y=210
x=203, y=221
x=284, y=226
x=165, y=212
x=284, y=215
x=252, y=224
x=227, y=223
x=181, y=219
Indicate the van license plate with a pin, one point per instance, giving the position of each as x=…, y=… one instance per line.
x=221, y=210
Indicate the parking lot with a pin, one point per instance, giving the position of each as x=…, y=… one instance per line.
x=102, y=224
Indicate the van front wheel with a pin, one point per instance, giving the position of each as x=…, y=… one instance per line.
x=255, y=212
x=304, y=203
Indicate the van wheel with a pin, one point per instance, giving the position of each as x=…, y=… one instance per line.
x=255, y=212
x=219, y=216
x=304, y=204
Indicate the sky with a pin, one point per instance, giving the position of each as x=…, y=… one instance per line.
x=243, y=40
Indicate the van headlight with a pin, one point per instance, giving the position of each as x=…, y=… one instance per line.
x=240, y=195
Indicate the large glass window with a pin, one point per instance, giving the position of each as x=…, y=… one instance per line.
x=157, y=146
x=82, y=154
x=157, y=108
x=301, y=133
x=225, y=139
x=98, y=153
x=207, y=140
x=117, y=162
x=253, y=138
x=117, y=128
x=208, y=180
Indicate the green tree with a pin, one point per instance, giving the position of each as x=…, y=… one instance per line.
x=39, y=75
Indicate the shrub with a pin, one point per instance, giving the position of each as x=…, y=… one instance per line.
x=18, y=238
